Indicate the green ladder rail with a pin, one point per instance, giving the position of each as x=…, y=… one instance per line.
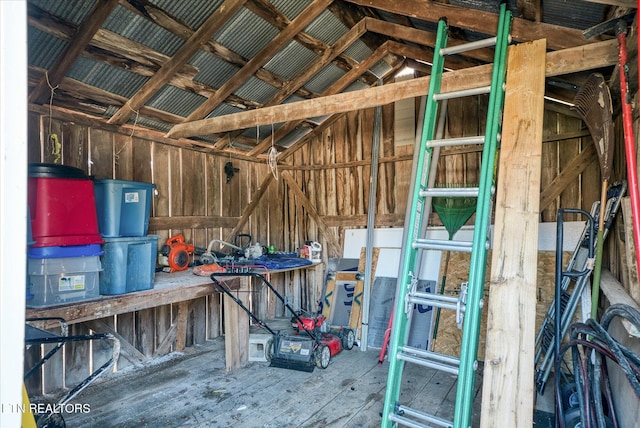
x=469, y=304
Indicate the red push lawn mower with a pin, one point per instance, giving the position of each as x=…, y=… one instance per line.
x=303, y=350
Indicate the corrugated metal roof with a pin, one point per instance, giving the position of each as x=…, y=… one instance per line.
x=134, y=27
x=192, y=12
x=356, y=86
x=380, y=69
x=175, y=100
x=573, y=13
x=70, y=10
x=104, y=76
x=224, y=109
x=358, y=51
x=256, y=90
x=265, y=131
x=290, y=9
x=326, y=27
x=290, y=60
x=246, y=33
x=213, y=71
x=292, y=137
x=324, y=78
x=149, y=123
x=43, y=49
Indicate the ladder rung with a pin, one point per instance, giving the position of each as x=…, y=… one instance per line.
x=460, y=141
x=450, y=192
x=432, y=299
x=442, y=244
x=466, y=47
x=464, y=93
x=431, y=419
x=432, y=360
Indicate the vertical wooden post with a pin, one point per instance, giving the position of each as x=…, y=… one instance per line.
x=508, y=385
x=236, y=328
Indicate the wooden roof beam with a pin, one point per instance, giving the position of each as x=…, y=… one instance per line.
x=300, y=22
x=73, y=49
x=327, y=56
x=420, y=37
x=204, y=33
x=337, y=86
x=565, y=61
x=480, y=21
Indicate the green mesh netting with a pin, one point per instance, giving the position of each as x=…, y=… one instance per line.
x=454, y=212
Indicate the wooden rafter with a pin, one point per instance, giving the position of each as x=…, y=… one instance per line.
x=420, y=37
x=477, y=20
x=334, y=245
x=339, y=85
x=308, y=15
x=73, y=49
x=559, y=62
x=204, y=33
x=327, y=56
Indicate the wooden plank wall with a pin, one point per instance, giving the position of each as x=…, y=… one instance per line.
x=332, y=169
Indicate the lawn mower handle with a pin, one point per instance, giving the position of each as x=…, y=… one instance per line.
x=271, y=287
x=228, y=292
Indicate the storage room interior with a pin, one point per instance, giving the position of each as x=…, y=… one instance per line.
x=257, y=213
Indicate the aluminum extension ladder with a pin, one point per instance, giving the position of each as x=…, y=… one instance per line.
x=395, y=413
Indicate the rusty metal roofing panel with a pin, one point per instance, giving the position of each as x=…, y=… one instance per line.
x=175, y=100
x=290, y=60
x=326, y=27
x=70, y=10
x=324, y=78
x=106, y=77
x=134, y=27
x=193, y=12
x=256, y=90
x=43, y=48
x=291, y=9
x=213, y=72
x=246, y=33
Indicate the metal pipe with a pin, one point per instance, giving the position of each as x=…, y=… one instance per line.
x=373, y=186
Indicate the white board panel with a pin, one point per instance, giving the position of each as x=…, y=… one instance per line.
x=389, y=240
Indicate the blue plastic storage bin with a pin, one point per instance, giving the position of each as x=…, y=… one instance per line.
x=128, y=264
x=57, y=281
x=123, y=207
x=60, y=252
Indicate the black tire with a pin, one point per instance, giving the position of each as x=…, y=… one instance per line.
x=323, y=356
x=269, y=353
x=348, y=339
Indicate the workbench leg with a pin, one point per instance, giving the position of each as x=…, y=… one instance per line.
x=236, y=328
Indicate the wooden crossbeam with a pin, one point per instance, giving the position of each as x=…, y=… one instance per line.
x=565, y=61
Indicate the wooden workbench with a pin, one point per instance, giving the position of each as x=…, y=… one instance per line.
x=175, y=288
